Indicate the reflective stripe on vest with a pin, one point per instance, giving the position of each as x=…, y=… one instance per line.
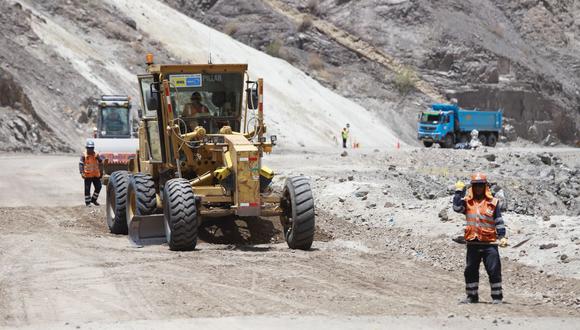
x=91, y=164
x=479, y=222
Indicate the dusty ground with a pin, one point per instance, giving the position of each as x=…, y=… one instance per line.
x=61, y=267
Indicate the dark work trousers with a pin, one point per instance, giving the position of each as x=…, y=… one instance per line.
x=490, y=256
x=344, y=143
x=97, y=183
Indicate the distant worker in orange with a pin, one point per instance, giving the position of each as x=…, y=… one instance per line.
x=91, y=171
x=484, y=227
x=194, y=107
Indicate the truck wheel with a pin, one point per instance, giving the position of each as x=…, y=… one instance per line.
x=449, y=141
x=428, y=144
x=492, y=140
x=482, y=139
x=181, y=219
x=298, y=217
x=141, y=198
x=117, y=202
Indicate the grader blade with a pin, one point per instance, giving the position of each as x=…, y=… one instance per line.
x=147, y=230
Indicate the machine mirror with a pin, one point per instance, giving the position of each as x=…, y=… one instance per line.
x=252, y=97
x=152, y=97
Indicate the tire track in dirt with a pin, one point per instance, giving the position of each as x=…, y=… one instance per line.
x=71, y=270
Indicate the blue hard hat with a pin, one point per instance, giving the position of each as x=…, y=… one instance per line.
x=90, y=144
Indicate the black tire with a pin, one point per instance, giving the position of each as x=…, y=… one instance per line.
x=428, y=144
x=181, y=218
x=298, y=218
x=482, y=139
x=449, y=141
x=117, y=202
x=492, y=140
x=141, y=198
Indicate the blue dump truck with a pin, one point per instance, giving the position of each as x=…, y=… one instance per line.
x=447, y=124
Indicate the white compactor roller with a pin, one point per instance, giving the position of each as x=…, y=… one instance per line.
x=114, y=136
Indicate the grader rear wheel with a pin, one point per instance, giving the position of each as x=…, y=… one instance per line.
x=298, y=218
x=117, y=202
x=141, y=196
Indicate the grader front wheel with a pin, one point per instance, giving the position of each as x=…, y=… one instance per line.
x=181, y=218
x=298, y=217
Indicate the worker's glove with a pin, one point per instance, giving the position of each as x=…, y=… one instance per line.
x=459, y=185
x=503, y=242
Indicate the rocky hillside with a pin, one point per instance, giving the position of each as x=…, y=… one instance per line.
x=55, y=57
x=519, y=55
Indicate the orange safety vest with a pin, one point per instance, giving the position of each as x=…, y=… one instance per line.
x=480, y=224
x=91, y=165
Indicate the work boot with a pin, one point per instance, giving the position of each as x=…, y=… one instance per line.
x=497, y=302
x=94, y=201
x=88, y=204
x=469, y=300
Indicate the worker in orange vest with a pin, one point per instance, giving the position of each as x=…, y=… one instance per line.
x=91, y=171
x=484, y=227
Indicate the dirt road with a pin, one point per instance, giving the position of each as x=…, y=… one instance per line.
x=61, y=268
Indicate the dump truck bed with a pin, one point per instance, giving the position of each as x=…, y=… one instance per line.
x=487, y=121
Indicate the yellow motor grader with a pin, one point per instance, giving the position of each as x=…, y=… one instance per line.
x=201, y=142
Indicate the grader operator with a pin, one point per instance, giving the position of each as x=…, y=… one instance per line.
x=201, y=141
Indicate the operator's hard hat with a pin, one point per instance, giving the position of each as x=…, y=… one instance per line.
x=90, y=144
x=478, y=178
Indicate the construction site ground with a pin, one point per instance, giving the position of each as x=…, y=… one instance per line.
x=381, y=258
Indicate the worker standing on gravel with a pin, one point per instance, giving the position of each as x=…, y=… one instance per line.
x=484, y=227
x=344, y=135
x=90, y=170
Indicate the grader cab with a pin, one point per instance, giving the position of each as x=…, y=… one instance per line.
x=201, y=142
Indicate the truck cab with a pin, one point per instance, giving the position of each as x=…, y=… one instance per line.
x=436, y=125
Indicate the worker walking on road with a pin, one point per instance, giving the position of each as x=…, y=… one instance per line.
x=344, y=135
x=484, y=227
x=90, y=170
